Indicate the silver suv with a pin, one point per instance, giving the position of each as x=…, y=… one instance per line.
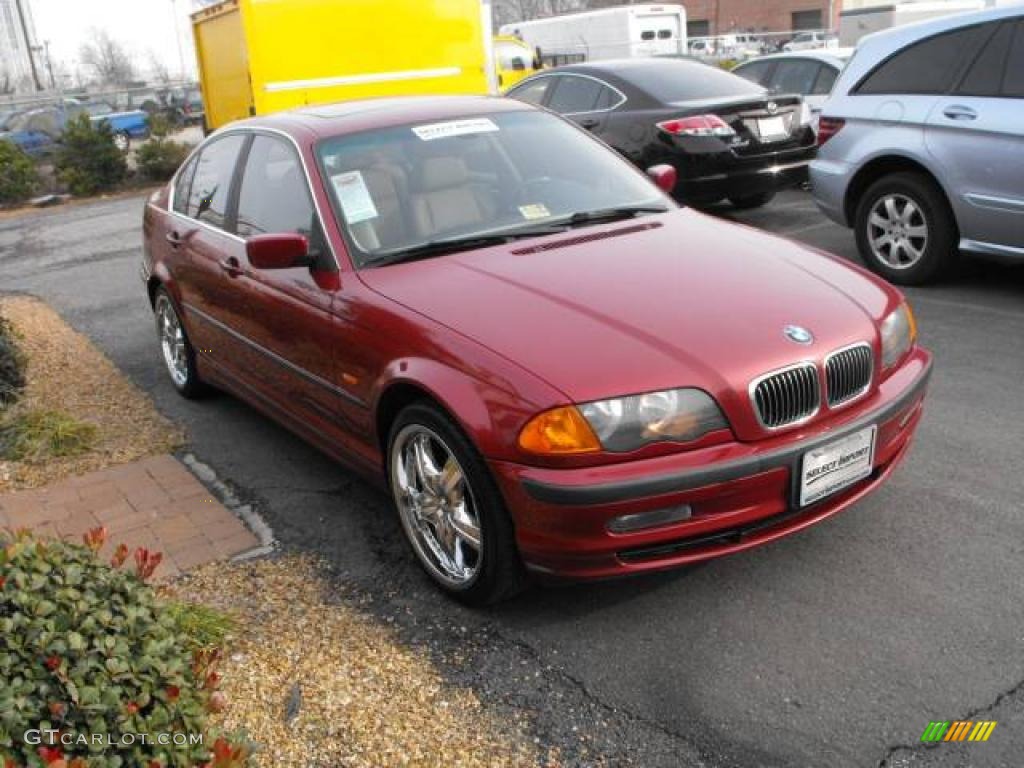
x=922, y=144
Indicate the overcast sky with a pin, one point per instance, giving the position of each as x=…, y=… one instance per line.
x=142, y=25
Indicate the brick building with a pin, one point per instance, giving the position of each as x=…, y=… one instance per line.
x=718, y=17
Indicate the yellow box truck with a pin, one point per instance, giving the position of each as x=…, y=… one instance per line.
x=261, y=56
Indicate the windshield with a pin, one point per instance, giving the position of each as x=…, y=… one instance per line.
x=509, y=174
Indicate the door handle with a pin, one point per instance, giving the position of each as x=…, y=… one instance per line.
x=231, y=266
x=590, y=124
x=174, y=239
x=959, y=112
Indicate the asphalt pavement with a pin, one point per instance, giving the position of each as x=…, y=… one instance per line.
x=833, y=647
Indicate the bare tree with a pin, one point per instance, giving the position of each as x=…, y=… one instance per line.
x=509, y=11
x=157, y=68
x=107, y=58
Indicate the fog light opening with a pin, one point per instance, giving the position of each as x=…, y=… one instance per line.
x=641, y=520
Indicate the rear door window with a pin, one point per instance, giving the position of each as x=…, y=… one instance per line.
x=182, y=186
x=795, y=76
x=985, y=75
x=534, y=91
x=1013, y=81
x=274, y=196
x=209, y=195
x=756, y=72
x=575, y=94
x=826, y=79
x=926, y=67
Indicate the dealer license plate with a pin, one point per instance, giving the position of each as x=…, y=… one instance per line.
x=772, y=129
x=836, y=465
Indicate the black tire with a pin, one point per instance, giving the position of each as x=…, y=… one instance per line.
x=500, y=573
x=939, y=247
x=189, y=385
x=747, y=202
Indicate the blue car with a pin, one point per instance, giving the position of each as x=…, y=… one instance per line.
x=126, y=125
x=37, y=131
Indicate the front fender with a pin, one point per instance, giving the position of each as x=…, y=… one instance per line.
x=489, y=413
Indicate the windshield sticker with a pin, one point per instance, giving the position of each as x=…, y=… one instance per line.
x=354, y=197
x=534, y=211
x=455, y=128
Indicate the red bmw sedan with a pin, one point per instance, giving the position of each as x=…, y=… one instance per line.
x=550, y=365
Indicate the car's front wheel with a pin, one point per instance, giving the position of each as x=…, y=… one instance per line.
x=175, y=347
x=905, y=229
x=450, y=508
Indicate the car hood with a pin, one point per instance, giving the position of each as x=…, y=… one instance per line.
x=674, y=300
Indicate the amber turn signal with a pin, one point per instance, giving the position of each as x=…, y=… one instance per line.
x=559, y=431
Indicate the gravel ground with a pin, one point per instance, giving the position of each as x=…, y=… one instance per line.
x=66, y=372
x=318, y=682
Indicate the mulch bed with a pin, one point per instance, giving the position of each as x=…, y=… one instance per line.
x=65, y=371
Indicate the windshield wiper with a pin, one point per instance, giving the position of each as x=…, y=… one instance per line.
x=484, y=239
x=453, y=245
x=609, y=214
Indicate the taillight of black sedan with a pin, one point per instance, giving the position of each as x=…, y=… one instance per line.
x=725, y=136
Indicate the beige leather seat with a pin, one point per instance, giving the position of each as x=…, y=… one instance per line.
x=445, y=198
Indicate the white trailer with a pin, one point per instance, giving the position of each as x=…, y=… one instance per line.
x=610, y=33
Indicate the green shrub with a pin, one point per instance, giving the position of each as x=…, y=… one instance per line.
x=12, y=365
x=88, y=161
x=18, y=177
x=35, y=435
x=159, y=158
x=89, y=649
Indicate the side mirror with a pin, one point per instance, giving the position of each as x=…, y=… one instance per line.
x=664, y=176
x=278, y=251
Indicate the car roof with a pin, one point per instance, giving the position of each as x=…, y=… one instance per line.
x=623, y=67
x=363, y=114
x=837, y=56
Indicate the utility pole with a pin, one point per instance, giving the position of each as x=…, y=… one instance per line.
x=177, y=39
x=28, y=44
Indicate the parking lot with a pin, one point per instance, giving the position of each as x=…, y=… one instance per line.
x=833, y=647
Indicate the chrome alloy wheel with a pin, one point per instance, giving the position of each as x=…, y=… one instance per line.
x=172, y=341
x=436, y=506
x=897, y=231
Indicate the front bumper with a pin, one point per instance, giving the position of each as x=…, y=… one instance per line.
x=741, y=494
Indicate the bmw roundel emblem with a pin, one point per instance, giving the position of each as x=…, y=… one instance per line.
x=797, y=334
x=772, y=107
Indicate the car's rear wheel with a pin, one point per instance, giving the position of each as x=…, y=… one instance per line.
x=451, y=511
x=905, y=229
x=175, y=347
x=746, y=202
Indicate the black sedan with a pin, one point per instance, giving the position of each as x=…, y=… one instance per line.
x=725, y=136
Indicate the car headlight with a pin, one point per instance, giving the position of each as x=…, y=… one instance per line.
x=628, y=423
x=898, y=333
x=623, y=423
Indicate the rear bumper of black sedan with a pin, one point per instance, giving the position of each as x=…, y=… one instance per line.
x=707, y=178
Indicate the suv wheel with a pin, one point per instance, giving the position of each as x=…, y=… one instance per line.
x=905, y=229
x=451, y=511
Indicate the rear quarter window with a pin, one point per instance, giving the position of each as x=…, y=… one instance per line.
x=928, y=66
